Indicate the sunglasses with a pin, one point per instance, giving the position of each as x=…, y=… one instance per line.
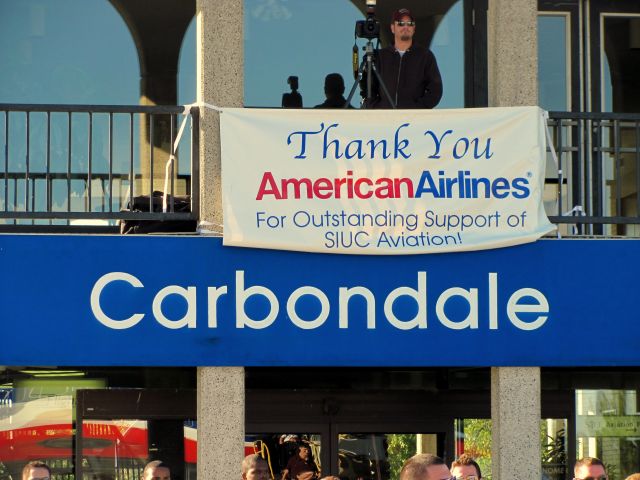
x=468, y=477
x=407, y=24
x=601, y=477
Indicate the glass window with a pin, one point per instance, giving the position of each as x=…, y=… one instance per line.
x=620, y=54
x=120, y=448
x=294, y=452
x=553, y=62
x=187, y=67
x=554, y=449
x=448, y=47
x=38, y=421
x=36, y=418
x=68, y=52
x=473, y=437
x=608, y=427
x=380, y=456
x=285, y=38
x=296, y=38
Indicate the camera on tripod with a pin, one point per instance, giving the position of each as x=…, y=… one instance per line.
x=365, y=73
x=370, y=27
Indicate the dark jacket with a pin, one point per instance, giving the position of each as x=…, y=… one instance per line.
x=413, y=79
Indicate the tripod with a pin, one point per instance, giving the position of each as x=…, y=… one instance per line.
x=369, y=65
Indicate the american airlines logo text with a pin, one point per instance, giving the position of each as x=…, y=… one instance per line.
x=526, y=308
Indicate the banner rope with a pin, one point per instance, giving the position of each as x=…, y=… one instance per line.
x=172, y=156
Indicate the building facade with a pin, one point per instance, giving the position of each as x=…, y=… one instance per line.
x=95, y=419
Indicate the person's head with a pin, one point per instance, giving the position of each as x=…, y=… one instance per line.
x=466, y=468
x=303, y=451
x=333, y=85
x=633, y=476
x=254, y=467
x=36, y=471
x=156, y=470
x=308, y=475
x=425, y=466
x=403, y=25
x=589, y=468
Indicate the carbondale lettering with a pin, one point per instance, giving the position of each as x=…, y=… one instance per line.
x=189, y=295
x=526, y=308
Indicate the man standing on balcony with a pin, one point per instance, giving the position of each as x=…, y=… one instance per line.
x=409, y=71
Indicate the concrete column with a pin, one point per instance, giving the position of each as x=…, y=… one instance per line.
x=220, y=71
x=220, y=422
x=512, y=49
x=515, y=412
x=221, y=392
x=515, y=392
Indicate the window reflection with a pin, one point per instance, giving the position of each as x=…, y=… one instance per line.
x=608, y=427
x=380, y=456
x=311, y=39
x=296, y=37
x=553, y=62
x=67, y=51
x=282, y=452
x=36, y=423
x=448, y=47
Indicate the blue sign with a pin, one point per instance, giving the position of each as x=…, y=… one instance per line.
x=189, y=301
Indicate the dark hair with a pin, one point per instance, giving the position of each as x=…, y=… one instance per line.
x=302, y=445
x=34, y=464
x=465, y=459
x=416, y=467
x=587, y=462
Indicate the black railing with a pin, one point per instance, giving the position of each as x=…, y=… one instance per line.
x=594, y=188
x=83, y=165
x=65, y=165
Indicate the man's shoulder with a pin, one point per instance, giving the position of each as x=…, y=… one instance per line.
x=422, y=54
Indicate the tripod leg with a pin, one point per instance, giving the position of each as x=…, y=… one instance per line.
x=384, y=87
x=355, y=84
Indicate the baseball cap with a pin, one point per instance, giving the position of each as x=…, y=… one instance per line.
x=403, y=12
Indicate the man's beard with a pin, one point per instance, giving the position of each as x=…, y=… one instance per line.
x=406, y=38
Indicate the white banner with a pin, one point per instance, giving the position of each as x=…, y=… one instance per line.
x=383, y=182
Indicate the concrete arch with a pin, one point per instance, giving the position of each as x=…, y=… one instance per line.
x=157, y=33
